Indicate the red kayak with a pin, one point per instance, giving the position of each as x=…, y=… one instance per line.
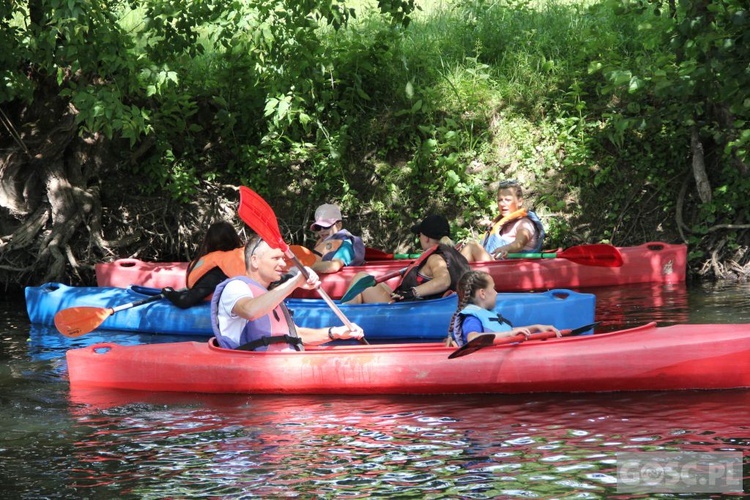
x=122, y=273
x=653, y=262
x=647, y=358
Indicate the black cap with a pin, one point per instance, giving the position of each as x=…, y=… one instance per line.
x=433, y=226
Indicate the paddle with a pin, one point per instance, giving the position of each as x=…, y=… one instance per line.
x=488, y=339
x=406, y=256
x=259, y=215
x=376, y=254
x=80, y=320
x=367, y=281
x=597, y=254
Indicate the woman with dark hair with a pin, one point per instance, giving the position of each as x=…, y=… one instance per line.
x=431, y=276
x=219, y=257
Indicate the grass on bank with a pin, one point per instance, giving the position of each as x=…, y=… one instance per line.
x=406, y=121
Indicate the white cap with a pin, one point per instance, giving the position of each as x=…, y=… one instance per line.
x=326, y=216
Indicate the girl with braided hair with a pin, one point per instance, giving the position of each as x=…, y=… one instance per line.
x=476, y=312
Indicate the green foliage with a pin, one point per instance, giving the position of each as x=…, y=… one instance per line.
x=682, y=74
x=395, y=111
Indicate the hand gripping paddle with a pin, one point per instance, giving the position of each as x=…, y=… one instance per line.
x=488, y=339
x=258, y=214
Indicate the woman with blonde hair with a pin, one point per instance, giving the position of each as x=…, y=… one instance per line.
x=515, y=229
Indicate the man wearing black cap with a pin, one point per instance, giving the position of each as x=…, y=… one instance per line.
x=437, y=270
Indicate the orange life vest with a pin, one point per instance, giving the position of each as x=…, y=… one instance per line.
x=231, y=263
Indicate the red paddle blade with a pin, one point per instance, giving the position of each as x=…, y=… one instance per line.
x=376, y=254
x=77, y=321
x=598, y=254
x=256, y=213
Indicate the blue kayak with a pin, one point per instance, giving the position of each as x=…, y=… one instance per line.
x=418, y=320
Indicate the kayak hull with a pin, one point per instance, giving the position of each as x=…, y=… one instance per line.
x=648, y=263
x=425, y=320
x=123, y=273
x=646, y=358
x=652, y=262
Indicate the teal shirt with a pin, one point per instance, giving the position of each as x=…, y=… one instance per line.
x=345, y=253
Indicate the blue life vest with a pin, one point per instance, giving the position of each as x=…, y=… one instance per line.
x=539, y=230
x=491, y=321
x=274, y=328
x=495, y=240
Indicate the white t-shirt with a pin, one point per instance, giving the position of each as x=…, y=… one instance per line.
x=231, y=325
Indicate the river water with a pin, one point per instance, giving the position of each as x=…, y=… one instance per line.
x=103, y=444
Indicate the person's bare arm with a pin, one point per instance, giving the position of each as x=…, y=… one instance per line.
x=441, y=277
x=317, y=336
x=523, y=236
x=252, y=308
x=328, y=266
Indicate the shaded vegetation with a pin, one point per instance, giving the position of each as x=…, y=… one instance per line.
x=126, y=127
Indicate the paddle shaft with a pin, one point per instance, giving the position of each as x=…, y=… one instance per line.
x=481, y=341
x=547, y=255
x=136, y=303
x=320, y=291
x=406, y=256
x=392, y=274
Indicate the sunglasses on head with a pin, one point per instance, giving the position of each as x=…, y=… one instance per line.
x=507, y=184
x=255, y=247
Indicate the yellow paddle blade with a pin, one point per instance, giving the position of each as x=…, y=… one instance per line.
x=77, y=321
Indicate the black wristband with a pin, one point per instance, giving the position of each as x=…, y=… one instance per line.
x=330, y=333
x=410, y=294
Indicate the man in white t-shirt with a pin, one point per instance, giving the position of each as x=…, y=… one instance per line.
x=247, y=315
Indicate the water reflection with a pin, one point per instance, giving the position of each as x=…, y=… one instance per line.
x=58, y=443
x=720, y=303
x=46, y=343
x=551, y=445
x=621, y=307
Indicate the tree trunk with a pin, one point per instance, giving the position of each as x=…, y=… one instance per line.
x=699, y=167
x=43, y=191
